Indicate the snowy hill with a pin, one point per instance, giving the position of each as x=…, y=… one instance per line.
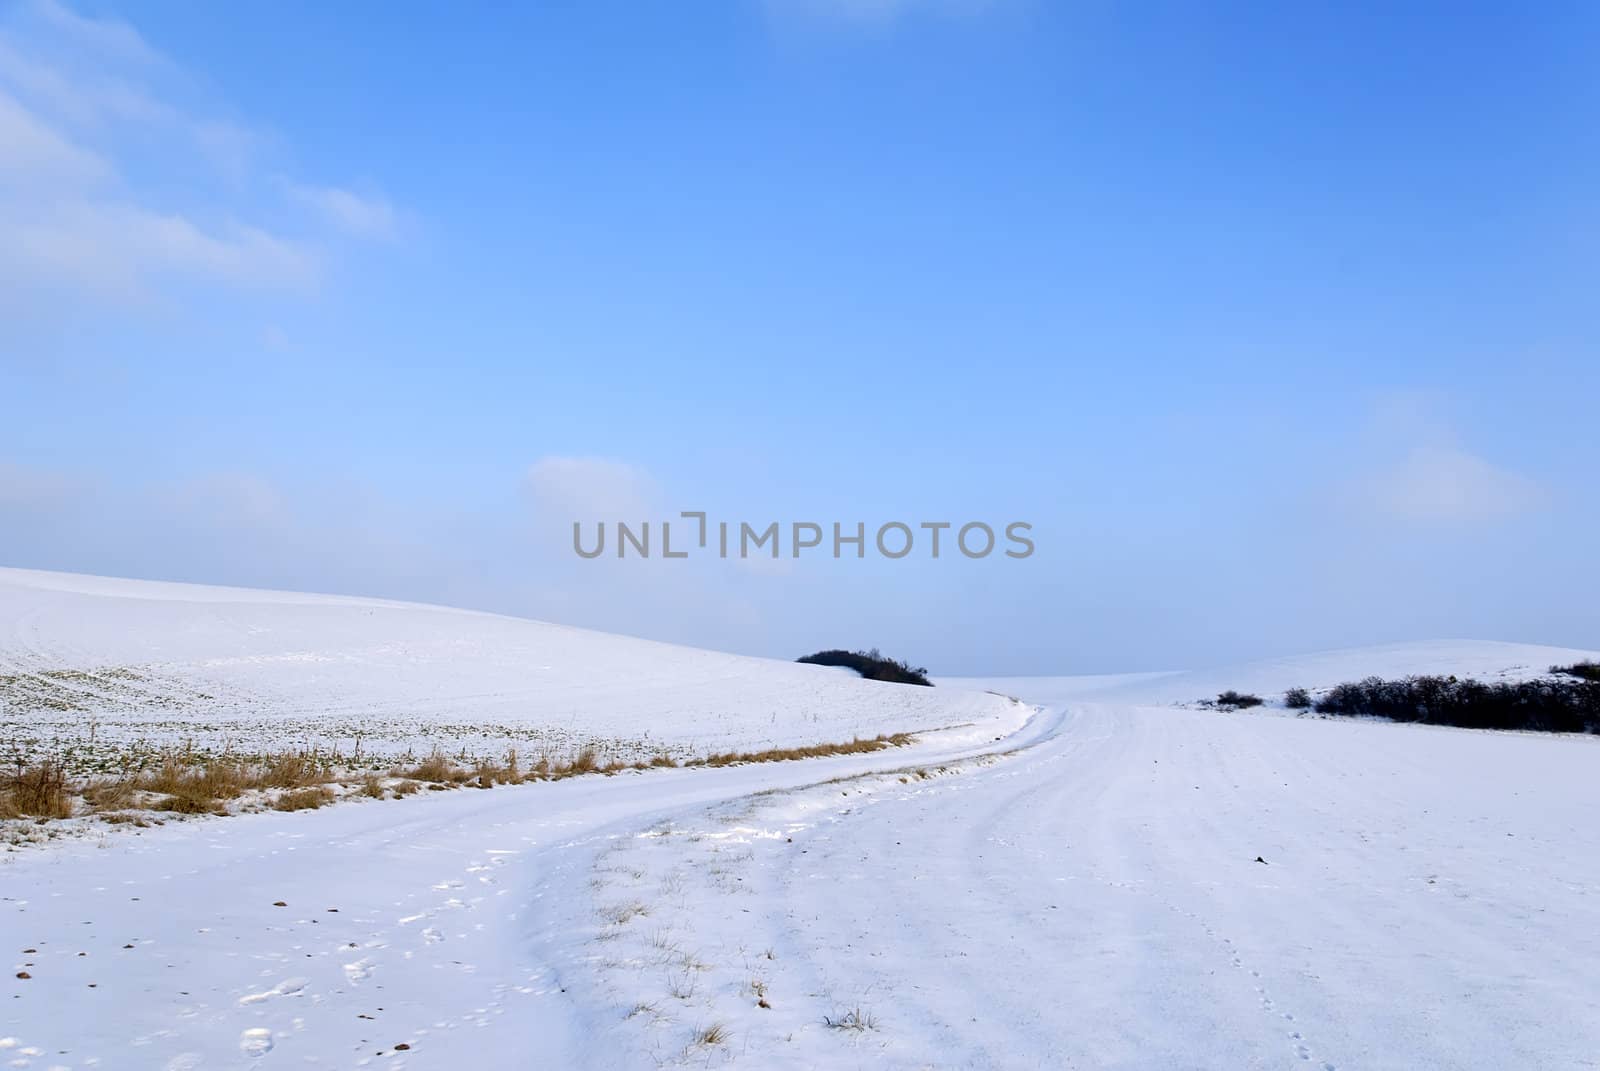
x=1123, y=881
x=1484, y=660
x=139, y=660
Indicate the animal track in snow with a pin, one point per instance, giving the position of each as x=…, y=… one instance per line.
x=256, y=1041
x=287, y=988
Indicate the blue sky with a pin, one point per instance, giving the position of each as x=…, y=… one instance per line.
x=1275, y=321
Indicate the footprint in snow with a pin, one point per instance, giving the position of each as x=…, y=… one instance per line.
x=256, y=1041
x=286, y=988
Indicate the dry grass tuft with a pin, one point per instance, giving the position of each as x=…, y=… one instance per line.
x=715, y=1034
x=125, y=818
x=852, y=1019
x=303, y=799
x=38, y=791
x=222, y=778
x=185, y=801
x=290, y=770
x=619, y=914
x=110, y=794
x=439, y=770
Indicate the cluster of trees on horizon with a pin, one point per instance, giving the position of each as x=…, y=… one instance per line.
x=872, y=664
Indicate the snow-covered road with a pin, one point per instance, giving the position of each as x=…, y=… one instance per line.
x=445, y=923
x=1427, y=898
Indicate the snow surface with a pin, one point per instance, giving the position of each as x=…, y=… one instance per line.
x=1085, y=893
x=138, y=661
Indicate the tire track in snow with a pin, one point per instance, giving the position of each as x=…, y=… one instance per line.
x=1096, y=901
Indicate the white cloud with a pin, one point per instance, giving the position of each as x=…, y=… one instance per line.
x=591, y=489
x=109, y=37
x=124, y=251
x=32, y=155
x=1443, y=483
x=352, y=213
x=114, y=186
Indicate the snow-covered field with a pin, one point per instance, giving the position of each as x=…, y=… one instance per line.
x=100, y=669
x=1120, y=882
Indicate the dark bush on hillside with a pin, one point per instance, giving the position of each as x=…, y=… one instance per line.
x=1297, y=699
x=1555, y=706
x=1588, y=670
x=1237, y=700
x=871, y=665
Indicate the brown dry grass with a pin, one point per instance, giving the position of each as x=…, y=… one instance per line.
x=186, y=782
x=858, y=746
x=715, y=1034
x=108, y=794
x=38, y=791
x=437, y=769
x=125, y=818
x=290, y=770
x=303, y=799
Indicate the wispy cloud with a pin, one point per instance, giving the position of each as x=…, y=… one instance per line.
x=115, y=185
x=107, y=37
x=361, y=215
x=1420, y=471
x=1443, y=483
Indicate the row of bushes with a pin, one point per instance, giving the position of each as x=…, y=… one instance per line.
x=1565, y=703
x=873, y=665
x=1587, y=670
x=1549, y=705
x=1568, y=702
